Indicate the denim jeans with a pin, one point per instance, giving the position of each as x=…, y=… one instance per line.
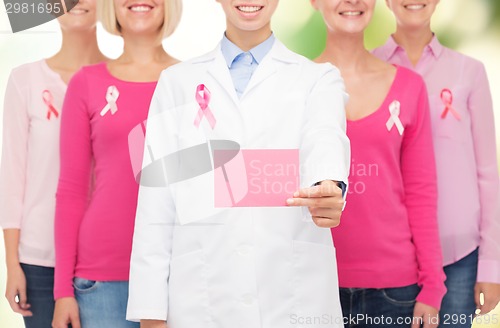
x=458, y=306
x=389, y=307
x=102, y=304
x=40, y=294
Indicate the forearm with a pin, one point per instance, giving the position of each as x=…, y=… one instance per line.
x=11, y=239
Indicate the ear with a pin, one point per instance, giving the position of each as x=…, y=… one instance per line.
x=388, y=4
x=314, y=4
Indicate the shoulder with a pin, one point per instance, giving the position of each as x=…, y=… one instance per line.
x=29, y=71
x=408, y=78
x=468, y=64
x=87, y=76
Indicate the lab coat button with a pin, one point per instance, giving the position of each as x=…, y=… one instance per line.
x=248, y=299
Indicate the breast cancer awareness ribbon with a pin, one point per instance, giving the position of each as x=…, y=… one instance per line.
x=48, y=99
x=447, y=98
x=395, y=110
x=203, y=99
x=111, y=97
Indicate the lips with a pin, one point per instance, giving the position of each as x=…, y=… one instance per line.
x=415, y=6
x=351, y=13
x=140, y=8
x=78, y=11
x=249, y=9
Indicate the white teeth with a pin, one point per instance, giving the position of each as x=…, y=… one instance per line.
x=77, y=11
x=249, y=9
x=414, y=7
x=140, y=9
x=351, y=13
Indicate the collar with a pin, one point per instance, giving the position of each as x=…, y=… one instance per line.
x=230, y=51
x=391, y=47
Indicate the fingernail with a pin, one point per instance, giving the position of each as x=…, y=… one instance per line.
x=289, y=201
x=296, y=194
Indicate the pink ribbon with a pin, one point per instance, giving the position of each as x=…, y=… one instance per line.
x=48, y=99
x=447, y=98
x=203, y=99
x=395, y=111
x=111, y=97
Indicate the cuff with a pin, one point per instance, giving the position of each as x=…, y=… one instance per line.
x=136, y=315
x=488, y=271
x=432, y=295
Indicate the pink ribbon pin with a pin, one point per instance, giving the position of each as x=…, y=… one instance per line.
x=48, y=99
x=447, y=98
x=203, y=99
x=395, y=110
x=111, y=97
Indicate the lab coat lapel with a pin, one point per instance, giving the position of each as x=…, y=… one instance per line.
x=220, y=72
x=269, y=65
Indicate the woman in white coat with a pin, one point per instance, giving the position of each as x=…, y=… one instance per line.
x=198, y=265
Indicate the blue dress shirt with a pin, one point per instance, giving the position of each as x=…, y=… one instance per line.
x=243, y=64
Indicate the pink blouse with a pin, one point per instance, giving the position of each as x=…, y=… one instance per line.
x=464, y=140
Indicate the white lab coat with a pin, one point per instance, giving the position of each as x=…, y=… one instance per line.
x=266, y=267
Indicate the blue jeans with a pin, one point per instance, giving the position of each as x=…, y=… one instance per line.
x=389, y=307
x=458, y=306
x=102, y=304
x=40, y=294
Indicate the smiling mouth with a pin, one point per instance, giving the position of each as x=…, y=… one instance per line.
x=140, y=8
x=78, y=11
x=249, y=9
x=415, y=7
x=351, y=13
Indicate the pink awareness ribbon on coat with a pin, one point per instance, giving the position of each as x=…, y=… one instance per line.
x=203, y=99
x=111, y=97
x=447, y=98
x=395, y=110
x=48, y=99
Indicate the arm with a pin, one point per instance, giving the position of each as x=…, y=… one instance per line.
x=483, y=134
x=72, y=197
x=324, y=152
x=419, y=178
x=12, y=186
x=154, y=223
x=72, y=189
x=16, y=280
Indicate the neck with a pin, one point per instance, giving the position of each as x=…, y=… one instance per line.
x=413, y=41
x=78, y=49
x=346, y=51
x=246, y=40
x=142, y=49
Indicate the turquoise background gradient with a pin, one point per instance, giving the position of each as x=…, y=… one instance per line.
x=469, y=26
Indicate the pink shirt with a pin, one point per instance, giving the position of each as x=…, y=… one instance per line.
x=464, y=140
x=30, y=159
x=94, y=238
x=389, y=233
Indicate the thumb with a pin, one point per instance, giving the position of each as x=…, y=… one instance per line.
x=23, y=298
x=75, y=321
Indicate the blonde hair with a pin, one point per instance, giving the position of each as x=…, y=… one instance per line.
x=106, y=14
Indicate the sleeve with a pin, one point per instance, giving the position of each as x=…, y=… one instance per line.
x=325, y=148
x=74, y=182
x=14, y=156
x=483, y=134
x=155, y=218
x=419, y=177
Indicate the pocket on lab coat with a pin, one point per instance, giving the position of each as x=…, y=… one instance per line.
x=316, y=290
x=188, y=291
